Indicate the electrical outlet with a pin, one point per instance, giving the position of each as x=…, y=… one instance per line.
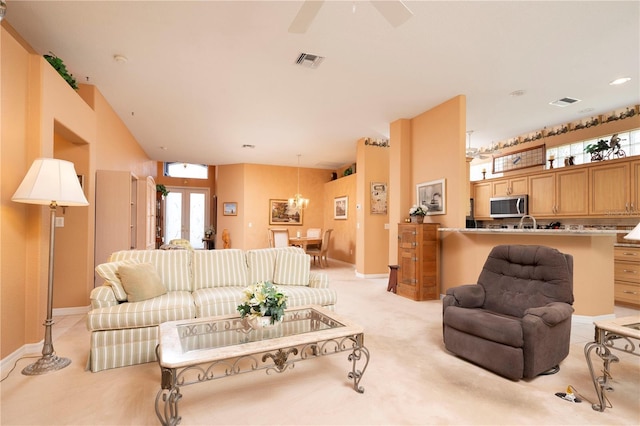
x=59, y=222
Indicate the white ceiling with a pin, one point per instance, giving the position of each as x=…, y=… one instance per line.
x=205, y=77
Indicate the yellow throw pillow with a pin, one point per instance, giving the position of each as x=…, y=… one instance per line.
x=141, y=281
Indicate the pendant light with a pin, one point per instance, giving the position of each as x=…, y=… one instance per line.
x=297, y=201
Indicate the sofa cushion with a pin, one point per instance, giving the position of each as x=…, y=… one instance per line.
x=262, y=262
x=141, y=281
x=225, y=300
x=173, y=266
x=219, y=268
x=174, y=305
x=109, y=273
x=292, y=269
x=485, y=325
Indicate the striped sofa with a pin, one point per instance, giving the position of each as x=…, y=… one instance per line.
x=199, y=283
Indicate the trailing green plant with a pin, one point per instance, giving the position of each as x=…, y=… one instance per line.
x=600, y=146
x=162, y=189
x=59, y=66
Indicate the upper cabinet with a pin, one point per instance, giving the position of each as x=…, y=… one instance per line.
x=606, y=189
x=611, y=186
x=512, y=186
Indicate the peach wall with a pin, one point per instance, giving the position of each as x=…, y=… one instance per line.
x=343, y=237
x=252, y=186
x=15, y=219
x=438, y=151
x=43, y=116
x=372, y=237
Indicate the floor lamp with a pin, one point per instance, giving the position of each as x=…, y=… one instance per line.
x=50, y=182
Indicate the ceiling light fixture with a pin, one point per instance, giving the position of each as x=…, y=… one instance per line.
x=121, y=59
x=619, y=81
x=297, y=201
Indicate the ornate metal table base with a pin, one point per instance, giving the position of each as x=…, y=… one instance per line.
x=607, y=335
x=273, y=361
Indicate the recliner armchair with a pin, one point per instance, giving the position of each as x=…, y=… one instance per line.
x=516, y=321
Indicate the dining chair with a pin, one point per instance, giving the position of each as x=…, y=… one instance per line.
x=321, y=252
x=278, y=237
x=314, y=233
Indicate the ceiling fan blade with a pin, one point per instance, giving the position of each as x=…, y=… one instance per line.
x=305, y=16
x=396, y=12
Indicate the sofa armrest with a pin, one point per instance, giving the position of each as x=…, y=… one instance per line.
x=318, y=280
x=102, y=297
x=466, y=296
x=553, y=313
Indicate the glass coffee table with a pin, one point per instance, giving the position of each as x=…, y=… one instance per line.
x=622, y=334
x=204, y=349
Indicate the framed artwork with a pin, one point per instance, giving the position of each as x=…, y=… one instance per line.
x=230, y=209
x=433, y=195
x=378, y=198
x=529, y=157
x=281, y=213
x=340, y=207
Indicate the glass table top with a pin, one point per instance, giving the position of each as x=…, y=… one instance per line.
x=230, y=331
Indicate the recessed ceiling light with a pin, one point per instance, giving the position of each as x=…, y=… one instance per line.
x=619, y=81
x=248, y=146
x=517, y=93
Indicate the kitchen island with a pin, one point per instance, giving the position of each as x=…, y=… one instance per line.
x=464, y=251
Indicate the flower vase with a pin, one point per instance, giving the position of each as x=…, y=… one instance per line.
x=258, y=323
x=414, y=219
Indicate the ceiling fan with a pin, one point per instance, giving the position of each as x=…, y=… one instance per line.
x=473, y=152
x=394, y=11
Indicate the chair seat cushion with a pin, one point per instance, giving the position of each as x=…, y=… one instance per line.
x=486, y=325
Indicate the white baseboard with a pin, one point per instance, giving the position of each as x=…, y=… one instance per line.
x=31, y=349
x=79, y=310
x=371, y=276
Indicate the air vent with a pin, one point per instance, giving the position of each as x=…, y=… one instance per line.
x=564, y=102
x=308, y=60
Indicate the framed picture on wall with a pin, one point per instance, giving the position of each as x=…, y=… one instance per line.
x=378, y=198
x=340, y=207
x=433, y=195
x=230, y=209
x=281, y=213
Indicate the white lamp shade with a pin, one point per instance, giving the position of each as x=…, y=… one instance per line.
x=634, y=234
x=50, y=180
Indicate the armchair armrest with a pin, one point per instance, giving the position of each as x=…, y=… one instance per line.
x=318, y=280
x=102, y=296
x=467, y=296
x=553, y=313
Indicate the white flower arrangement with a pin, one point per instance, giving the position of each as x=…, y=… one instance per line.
x=418, y=210
x=263, y=299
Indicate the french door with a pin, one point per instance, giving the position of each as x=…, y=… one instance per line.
x=186, y=215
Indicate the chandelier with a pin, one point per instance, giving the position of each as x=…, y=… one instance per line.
x=298, y=201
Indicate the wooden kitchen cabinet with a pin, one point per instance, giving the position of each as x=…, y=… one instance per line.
x=627, y=275
x=610, y=189
x=481, y=194
x=419, y=261
x=634, y=207
x=559, y=194
x=513, y=186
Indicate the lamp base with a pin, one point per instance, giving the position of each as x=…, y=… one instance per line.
x=46, y=364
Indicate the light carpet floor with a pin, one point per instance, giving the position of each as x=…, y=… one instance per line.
x=411, y=380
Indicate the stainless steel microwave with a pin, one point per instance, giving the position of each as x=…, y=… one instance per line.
x=511, y=206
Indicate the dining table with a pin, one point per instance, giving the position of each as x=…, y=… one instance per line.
x=303, y=242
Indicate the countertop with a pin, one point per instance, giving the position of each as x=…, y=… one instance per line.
x=576, y=232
